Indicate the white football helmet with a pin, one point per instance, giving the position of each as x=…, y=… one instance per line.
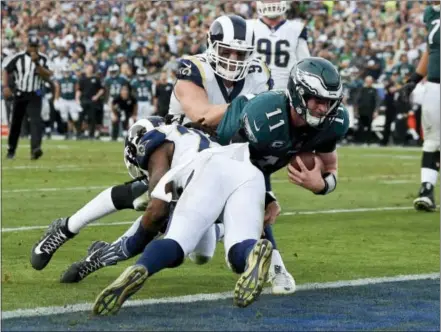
x=142, y=73
x=271, y=8
x=134, y=134
x=113, y=70
x=229, y=34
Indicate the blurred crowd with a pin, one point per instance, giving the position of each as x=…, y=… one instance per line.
x=375, y=38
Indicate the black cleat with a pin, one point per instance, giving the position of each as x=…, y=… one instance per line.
x=425, y=201
x=36, y=154
x=10, y=155
x=56, y=235
x=100, y=254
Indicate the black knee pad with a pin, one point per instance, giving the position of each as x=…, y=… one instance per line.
x=430, y=160
x=124, y=195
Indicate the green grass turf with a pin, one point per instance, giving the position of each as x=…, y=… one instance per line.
x=315, y=248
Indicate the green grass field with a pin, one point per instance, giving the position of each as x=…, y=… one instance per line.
x=316, y=247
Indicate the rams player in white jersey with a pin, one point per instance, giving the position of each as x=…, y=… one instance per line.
x=280, y=42
x=206, y=83
x=228, y=69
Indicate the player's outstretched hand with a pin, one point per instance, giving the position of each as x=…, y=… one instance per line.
x=308, y=179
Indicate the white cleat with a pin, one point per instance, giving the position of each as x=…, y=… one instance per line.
x=282, y=282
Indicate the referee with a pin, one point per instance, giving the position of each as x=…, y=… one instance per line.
x=29, y=68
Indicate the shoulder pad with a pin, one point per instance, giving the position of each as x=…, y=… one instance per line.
x=147, y=145
x=192, y=69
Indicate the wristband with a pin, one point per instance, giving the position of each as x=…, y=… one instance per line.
x=330, y=184
x=269, y=197
x=415, y=77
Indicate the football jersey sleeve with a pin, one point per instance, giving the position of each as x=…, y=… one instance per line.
x=190, y=70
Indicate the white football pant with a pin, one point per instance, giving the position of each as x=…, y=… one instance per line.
x=430, y=111
x=224, y=188
x=68, y=107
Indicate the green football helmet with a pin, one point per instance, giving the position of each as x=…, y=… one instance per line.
x=315, y=77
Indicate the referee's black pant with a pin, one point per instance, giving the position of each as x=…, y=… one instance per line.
x=30, y=104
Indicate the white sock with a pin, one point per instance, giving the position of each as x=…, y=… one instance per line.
x=276, y=260
x=429, y=175
x=97, y=208
x=132, y=229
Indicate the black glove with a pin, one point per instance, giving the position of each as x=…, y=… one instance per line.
x=410, y=85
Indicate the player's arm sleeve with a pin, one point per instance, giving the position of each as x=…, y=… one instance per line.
x=302, y=50
x=192, y=71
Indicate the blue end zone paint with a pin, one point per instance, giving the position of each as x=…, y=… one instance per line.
x=407, y=305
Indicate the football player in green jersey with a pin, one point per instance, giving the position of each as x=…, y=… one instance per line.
x=65, y=101
x=142, y=89
x=429, y=67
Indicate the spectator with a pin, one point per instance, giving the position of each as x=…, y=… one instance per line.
x=390, y=110
x=367, y=102
x=163, y=91
x=124, y=111
x=88, y=95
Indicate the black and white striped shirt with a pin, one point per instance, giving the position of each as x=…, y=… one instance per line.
x=24, y=70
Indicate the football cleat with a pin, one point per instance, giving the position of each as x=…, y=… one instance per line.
x=113, y=296
x=100, y=254
x=56, y=235
x=250, y=283
x=425, y=201
x=282, y=282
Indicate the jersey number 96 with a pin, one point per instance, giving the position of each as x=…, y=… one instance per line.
x=275, y=53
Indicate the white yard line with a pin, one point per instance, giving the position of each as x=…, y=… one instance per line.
x=60, y=167
x=45, y=311
x=389, y=179
x=383, y=178
x=397, y=181
x=334, y=211
x=389, y=156
x=53, y=189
